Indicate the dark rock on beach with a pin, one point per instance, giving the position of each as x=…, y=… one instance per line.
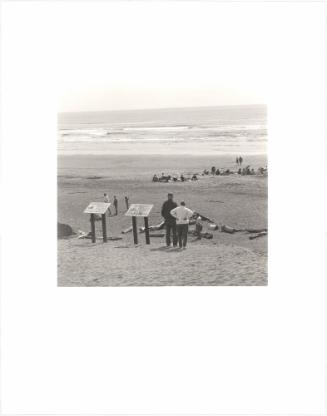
x=65, y=230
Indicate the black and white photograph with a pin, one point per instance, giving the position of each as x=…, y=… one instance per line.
x=147, y=147
x=162, y=149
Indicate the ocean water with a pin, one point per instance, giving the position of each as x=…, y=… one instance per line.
x=237, y=130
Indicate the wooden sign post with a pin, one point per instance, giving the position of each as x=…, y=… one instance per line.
x=104, y=227
x=92, y=219
x=99, y=208
x=140, y=210
x=147, y=233
x=134, y=222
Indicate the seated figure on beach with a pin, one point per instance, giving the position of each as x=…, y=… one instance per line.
x=182, y=178
x=194, y=177
x=225, y=172
x=155, y=178
x=261, y=170
x=213, y=170
x=218, y=171
x=164, y=178
x=198, y=228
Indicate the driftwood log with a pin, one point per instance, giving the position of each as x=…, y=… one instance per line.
x=157, y=227
x=252, y=237
x=231, y=230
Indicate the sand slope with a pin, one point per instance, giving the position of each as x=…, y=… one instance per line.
x=117, y=264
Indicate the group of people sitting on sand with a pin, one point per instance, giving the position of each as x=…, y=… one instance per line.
x=247, y=170
x=174, y=178
x=240, y=171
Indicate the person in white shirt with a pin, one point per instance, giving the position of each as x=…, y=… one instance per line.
x=182, y=215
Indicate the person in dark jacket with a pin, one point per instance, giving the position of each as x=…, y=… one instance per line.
x=127, y=202
x=170, y=221
x=116, y=205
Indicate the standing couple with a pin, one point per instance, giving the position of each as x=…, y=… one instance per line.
x=177, y=219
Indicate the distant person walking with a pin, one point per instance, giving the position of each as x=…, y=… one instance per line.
x=240, y=159
x=237, y=161
x=127, y=202
x=182, y=215
x=170, y=221
x=106, y=199
x=116, y=205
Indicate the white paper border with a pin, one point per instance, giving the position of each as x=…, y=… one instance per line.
x=59, y=345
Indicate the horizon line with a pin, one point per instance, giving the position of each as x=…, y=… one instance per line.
x=162, y=108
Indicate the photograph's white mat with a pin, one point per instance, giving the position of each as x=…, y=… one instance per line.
x=222, y=350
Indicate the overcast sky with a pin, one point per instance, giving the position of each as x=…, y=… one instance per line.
x=124, y=55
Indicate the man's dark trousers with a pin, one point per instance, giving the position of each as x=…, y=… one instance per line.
x=171, y=227
x=182, y=230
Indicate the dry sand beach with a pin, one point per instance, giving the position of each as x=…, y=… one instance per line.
x=227, y=259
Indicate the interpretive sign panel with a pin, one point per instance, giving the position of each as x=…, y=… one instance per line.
x=139, y=210
x=97, y=208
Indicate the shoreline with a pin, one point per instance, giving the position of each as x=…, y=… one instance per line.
x=164, y=149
